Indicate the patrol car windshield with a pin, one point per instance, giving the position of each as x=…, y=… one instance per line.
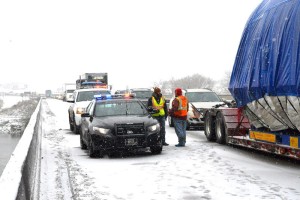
x=202, y=97
x=89, y=95
x=119, y=108
x=142, y=94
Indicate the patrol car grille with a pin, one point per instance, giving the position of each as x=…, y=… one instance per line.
x=129, y=129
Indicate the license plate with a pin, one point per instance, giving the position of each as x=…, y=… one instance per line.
x=131, y=141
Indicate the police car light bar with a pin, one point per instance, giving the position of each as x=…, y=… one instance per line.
x=113, y=96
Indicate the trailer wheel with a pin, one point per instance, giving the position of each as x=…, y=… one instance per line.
x=221, y=135
x=209, y=127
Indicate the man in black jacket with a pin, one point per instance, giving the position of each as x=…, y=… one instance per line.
x=157, y=104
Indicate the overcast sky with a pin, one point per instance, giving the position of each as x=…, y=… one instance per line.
x=48, y=43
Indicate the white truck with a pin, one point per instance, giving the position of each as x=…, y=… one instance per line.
x=68, y=91
x=92, y=80
x=81, y=99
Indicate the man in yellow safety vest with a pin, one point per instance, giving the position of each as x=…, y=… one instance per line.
x=157, y=104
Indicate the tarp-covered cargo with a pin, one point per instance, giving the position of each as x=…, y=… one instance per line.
x=266, y=73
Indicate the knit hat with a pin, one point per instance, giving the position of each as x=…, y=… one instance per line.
x=178, y=92
x=157, y=90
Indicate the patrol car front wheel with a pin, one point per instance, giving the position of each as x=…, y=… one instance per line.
x=92, y=152
x=156, y=150
x=82, y=144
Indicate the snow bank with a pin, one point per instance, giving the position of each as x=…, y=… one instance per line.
x=9, y=101
x=17, y=179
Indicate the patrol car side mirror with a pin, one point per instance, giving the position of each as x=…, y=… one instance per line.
x=85, y=115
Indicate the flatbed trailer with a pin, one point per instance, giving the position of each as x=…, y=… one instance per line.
x=230, y=126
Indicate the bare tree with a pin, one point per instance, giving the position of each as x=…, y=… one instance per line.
x=221, y=87
x=195, y=81
x=189, y=82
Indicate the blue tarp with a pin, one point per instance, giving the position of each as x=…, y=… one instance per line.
x=268, y=57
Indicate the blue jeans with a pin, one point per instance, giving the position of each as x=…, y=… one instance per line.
x=180, y=129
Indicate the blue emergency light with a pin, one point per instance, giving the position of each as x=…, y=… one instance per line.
x=99, y=97
x=102, y=97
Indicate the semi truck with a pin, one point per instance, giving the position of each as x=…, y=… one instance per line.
x=92, y=80
x=265, y=84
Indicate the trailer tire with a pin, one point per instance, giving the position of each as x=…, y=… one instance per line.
x=221, y=129
x=209, y=127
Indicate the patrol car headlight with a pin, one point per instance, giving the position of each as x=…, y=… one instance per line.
x=101, y=130
x=80, y=110
x=154, y=128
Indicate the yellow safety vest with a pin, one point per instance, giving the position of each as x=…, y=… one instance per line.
x=159, y=106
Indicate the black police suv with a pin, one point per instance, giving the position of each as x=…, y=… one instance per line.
x=116, y=122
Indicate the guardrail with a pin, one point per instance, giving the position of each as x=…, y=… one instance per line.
x=18, y=180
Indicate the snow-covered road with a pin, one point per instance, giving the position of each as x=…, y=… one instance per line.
x=201, y=170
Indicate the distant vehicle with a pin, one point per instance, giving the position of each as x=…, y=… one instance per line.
x=69, y=88
x=93, y=80
x=68, y=95
x=48, y=93
x=199, y=99
x=121, y=91
x=82, y=98
x=142, y=93
x=117, y=123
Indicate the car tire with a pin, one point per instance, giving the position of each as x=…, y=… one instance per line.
x=92, y=152
x=71, y=123
x=157, y=149
x=209, y=127
x=82, y=144
x=76, y=129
